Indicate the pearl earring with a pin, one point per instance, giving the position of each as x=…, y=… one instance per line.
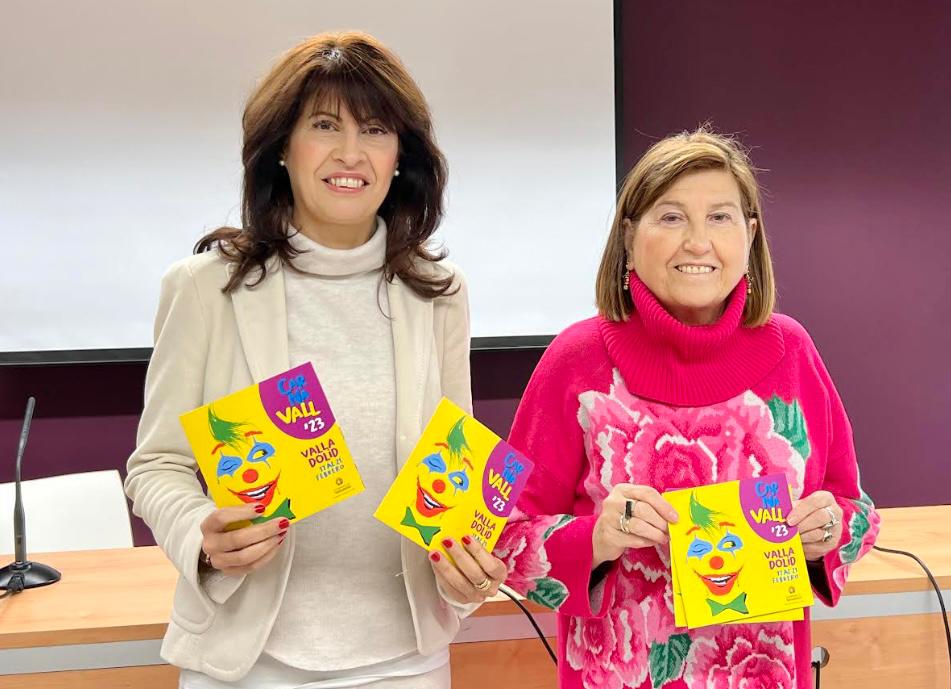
x=281, y=162
x=396, y=172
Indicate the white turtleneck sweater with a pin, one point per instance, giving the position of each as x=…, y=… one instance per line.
x=345, y=619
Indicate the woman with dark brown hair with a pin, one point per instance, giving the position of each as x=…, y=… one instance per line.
x=343, y=187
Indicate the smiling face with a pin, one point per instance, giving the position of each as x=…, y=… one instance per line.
x=245, y=471
x=715, y=553
x=439, y=487
x=244, y=463
x=340, y=172
x=716, y=556
x=691, y=247
x=440, y=483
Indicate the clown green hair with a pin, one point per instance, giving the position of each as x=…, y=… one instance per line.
x=456, y=440
x=223, y=431
x=701, y=515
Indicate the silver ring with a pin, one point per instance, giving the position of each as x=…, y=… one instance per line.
x=622, y=524
x=826, y=533
x=833, y=520
x=485, y=585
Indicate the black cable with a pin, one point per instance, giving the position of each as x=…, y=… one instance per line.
x=15, y=585
x=531, y=619
x=817, y=665
x=937, y=590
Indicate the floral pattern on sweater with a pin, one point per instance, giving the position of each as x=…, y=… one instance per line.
x=751, y=656
x=527, y=562
x=630, y=440
x=587, y=431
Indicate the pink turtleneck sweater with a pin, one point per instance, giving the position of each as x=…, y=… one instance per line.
x=651, y=401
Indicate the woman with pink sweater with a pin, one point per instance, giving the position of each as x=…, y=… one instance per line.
x=685, y=378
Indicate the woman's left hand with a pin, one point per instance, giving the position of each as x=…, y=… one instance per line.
x=476, y=574
x=819, y=519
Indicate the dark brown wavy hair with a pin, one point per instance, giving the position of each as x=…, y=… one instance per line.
x=355, y=70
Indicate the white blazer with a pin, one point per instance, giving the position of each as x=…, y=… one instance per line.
x=209, y=344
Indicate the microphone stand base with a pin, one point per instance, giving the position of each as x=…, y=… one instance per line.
x=31, y=574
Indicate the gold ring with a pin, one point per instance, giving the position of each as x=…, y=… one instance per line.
x=485, y=585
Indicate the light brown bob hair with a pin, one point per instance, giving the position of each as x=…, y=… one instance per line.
x=356, y=70
x=650, y=178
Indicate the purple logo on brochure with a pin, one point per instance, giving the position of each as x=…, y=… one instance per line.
x=766, y=504
x=296, y=404
x=506, y=472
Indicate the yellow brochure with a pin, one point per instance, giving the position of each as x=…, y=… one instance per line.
x=275, y=443
x=734, y=557
x=460, y=479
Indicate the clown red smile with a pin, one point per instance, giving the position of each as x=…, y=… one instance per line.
x=262, y=494
x=719, y=584
x=426, y=504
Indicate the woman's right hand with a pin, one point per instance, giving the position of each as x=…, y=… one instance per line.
x=243, y=550
x=646, y=528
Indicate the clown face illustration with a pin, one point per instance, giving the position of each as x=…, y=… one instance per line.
x=442, y=479
x=716, y=556
x=246, y=466
x=437, y=488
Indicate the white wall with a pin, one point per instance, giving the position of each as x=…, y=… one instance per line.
x=120, y=144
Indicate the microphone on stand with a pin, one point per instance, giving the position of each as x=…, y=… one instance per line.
x=21, y=573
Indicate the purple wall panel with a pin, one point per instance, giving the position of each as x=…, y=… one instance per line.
x=846, y=106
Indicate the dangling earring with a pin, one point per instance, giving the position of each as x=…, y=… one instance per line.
x=749, y=283
x=627, y=280
x=396, y=172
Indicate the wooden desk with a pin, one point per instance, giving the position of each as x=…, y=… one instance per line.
x=909, y=651
x=114, y=604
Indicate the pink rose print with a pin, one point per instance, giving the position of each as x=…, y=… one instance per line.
x=739, y=655
x=611, y=651
x=658, y=616
x=523, y=552
x=622, y=639
x=590, y=646
x=645, y=577
x=631, y=440
x=637, y=441
x=612, y=425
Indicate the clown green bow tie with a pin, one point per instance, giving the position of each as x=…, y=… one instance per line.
x=283, y=510
x=738, y=604
x=426, y=532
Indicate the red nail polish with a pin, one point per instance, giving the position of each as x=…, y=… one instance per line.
x=446, y=543
x=282, y=534
x=259, y=509
x=466, y=540
x=281, y=539
x=283, y=524
x=435, y=557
